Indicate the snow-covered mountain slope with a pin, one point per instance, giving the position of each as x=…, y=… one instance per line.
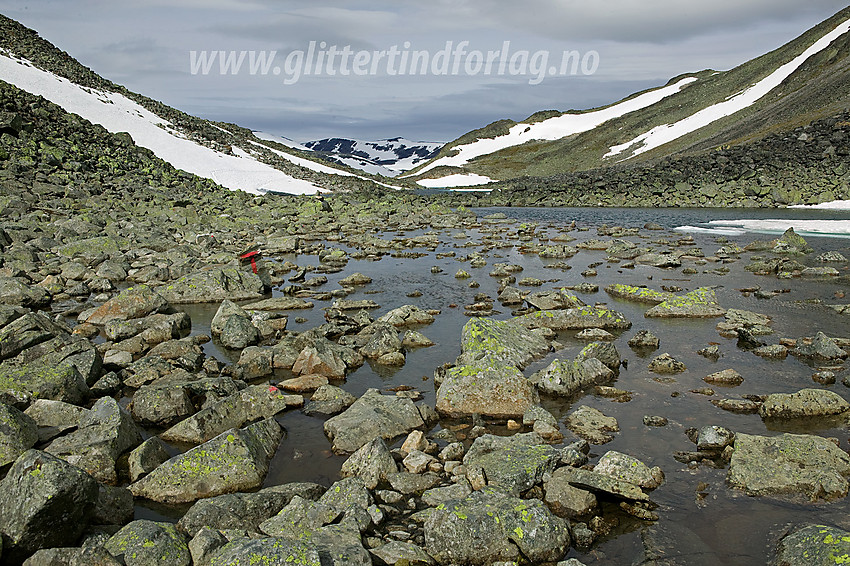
x=384, y=157
x=804, y=80
x=117, y=113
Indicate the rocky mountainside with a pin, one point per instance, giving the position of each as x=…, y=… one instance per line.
x=385, y=157
x=802, y=81
x=226, y=153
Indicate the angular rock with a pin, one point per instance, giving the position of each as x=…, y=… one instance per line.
x=626, y=468
x=245, y=510
x=249, y=552
x=22, y=331
x=329, y=400
x=638, y=294
x=143, y=542
x=504, y=342
x=372, y=463
x=225, y=310
x=114, y=506
x=576, y=319
x=235, y=460
x=373, y=415
x=699, y=303
x=567, y=501
x=146, y=457
x=727, y=377
x=54, y=417
x=407, y=315
x=666, y=364
x=214, y=284
x=44, y=502
x=384, y=340
x=789, y=464
x=644, y=339
x=803, y=403
x=398, y=553
x=553, y=300
x=821, y=348
x=604, y=483
x=516, y=463
x=814, y=545
x=490, y=526
x=563, y=377
x=17, y=293
x=591, y=425
x=104, y=434
x=134, y=302
x=18, y=433
x=490, y=387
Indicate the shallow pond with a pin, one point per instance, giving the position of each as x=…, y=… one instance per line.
x=710, y=522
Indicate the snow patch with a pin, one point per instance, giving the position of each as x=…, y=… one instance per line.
x=779, y=226
x=713, y=231
x=666, y=133
x=117, y=113
x=555, y=128
x=456, y=180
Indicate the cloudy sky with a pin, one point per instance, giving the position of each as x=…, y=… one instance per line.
x=622, y=46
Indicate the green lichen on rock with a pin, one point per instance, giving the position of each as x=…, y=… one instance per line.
x=699, y=303
x=638, y=294
x=147, y=542
x=814, y=545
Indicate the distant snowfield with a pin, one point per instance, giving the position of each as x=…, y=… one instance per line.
x=455, y=181
x=118, y=113
x=777, y=226
x=831, y=205
x=312, y=165
x=555, y=128
x=663, y=134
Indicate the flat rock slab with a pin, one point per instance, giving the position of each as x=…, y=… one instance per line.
x=599, y=482
x=803, y=403
x=487, y=387
x=236, y=460
x=638, y=294
x=214, y=284
x=371, y=416
x=814, y=545
x=516, y=463
x=576, y=319
x=135, y=302
x=789, y=464
x=592, y=425
x=699, y=303
x=279, y=304
x=507, y=342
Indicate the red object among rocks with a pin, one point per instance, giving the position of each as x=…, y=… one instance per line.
x=253, y=257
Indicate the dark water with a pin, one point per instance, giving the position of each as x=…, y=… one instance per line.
x=731, y=527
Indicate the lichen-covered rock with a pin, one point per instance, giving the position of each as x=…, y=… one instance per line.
x=214, y=284
x=18, y=433
x=44, y=502
x=372, y=463
x=350, y=498
x=666, y=364
x=490, y=526
x=591, y=425
x=250, y=552
x=17, y=293
x=553, y=300
x=407, y=315
x=629, y=469
x=488, y=387
x=564, y=377
x=791, y=243
x=299, y=519
x=23, y=330
x=252, y=403
x=638, y=294
x=146, y=457
x=373, y=415
x=604, y=483
x=820, y=348
x=134, y=302
x=699, y=303
x=114, y=506
x=329, y=400
x=516, y=462
x=245, y=510
x=605, y=352
x=814, y=545
x=789, y=464
x=576, y=319
x=238, y=333
x=235, y=460
x=383, y=340
x=644, y=340
x=505, y=342
x=54, y=417
x=803, y=403
x=22, y=383
x=225, y=310
x=398, y=553
x=726, y=377
x=105, y=432
x=143, y=542
x=565, y=500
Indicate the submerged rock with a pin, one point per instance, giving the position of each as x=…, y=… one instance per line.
x=789, y=464
x=592, y=425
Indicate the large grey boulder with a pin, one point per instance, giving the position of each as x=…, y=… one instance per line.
x=579, y=318
x=235, y=460
x=44, y=502
x=699, y=303
x=789, y=464
x=54, y=417
x=245, y=510
x=17, y=293
x=18, y=433
x=105, y=432
x=803, y=403
x=407, y=315
x=225, y=310
x=22, y=330
x=383, y=339
x=507, y=343
x=271, y=550
x=252, y=403
x=813, y=545
x=553, y=300
x=489, y=386
x=152, y=329
x=372, y=463
x=215, y=284
x=490, y=526
x=239, y=333
x=143, y=542
x=134, y=302
x=329, y=400
x=516, y=463
x=565, y=500
x=373, y=415
x=22, y=382
x=564, y=377
x=821, y=348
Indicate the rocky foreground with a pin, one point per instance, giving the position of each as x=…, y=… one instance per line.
x=109, y=397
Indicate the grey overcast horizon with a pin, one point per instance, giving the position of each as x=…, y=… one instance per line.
x=146, y=46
